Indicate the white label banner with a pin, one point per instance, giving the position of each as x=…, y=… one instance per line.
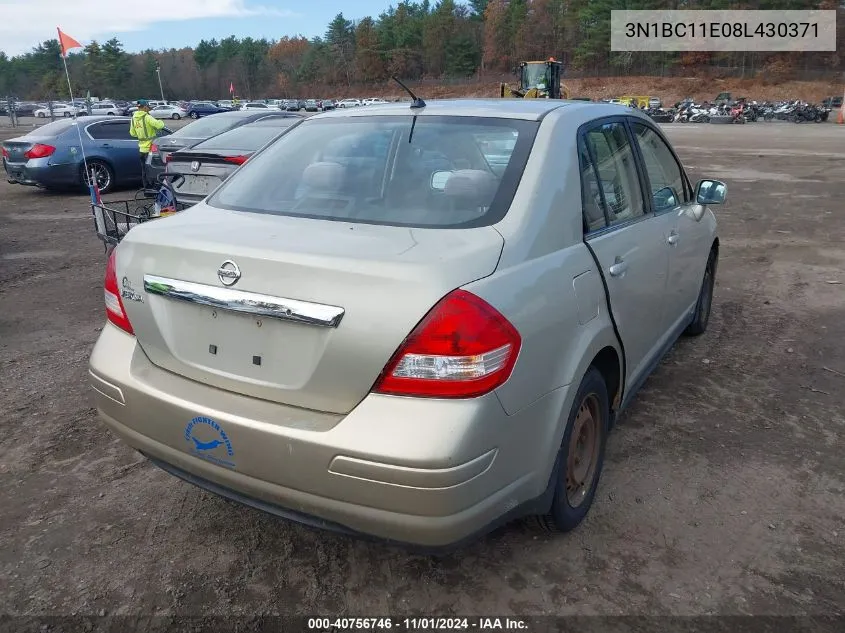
x=715, y=31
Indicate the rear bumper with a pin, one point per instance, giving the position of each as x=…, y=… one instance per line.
x=429, y=473
x=39, y=172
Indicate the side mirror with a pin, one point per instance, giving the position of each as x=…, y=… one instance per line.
x=439, y=179
x=709, y=192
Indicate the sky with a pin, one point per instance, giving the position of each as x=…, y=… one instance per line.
x=142, y=24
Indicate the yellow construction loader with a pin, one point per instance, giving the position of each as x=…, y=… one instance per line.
x=537, y=80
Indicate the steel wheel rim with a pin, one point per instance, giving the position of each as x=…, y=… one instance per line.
x=584, y=445
x=101, y=176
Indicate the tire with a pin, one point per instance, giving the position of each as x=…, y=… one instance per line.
x=66, y=115
x=591, y=415
x=105, y=175
x=705, y=299
x=175, y=117
x=194, y=115
x=41, y=115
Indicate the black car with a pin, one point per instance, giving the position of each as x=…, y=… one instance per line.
x=204, y=166
x=198, y=109
x=832, y=102
x=199, y=131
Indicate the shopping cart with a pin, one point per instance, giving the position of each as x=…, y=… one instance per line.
x=114, y=218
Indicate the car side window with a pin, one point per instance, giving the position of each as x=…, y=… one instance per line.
x=665, y=176
x=116, y=131
x=616, y=169
x=592, y=206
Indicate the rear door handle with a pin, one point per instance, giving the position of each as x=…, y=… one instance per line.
x=106, y=145
x=673, y=238
x=618, y=268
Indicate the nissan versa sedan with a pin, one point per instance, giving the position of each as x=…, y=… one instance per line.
x=374, y=328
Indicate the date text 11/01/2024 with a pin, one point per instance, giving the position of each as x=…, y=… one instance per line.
x=685, y=30
x=420, y=623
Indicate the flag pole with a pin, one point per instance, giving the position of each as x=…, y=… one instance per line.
x=70, y=92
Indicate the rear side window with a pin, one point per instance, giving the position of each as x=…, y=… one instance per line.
x=108, y=130
x=247, y=137
x=418, y=171
x=616, y=169
x=592, y=202
x=664, y=173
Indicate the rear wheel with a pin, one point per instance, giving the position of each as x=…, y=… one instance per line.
x=581, y=455
x=194, y=115
x=103, y=175
x=705, y=299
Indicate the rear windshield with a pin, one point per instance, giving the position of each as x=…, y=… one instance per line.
x=209, y=126
x=52, y=129
x=423, y=171
x=247, y=137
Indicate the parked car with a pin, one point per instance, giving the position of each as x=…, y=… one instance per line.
x=256, y=105
x=49, y=156
x=198, y=109
x=328, y=104
x=373, y=101
x=311, y=105
x=168, y=112
x=360, y=328
x=198, y=131
x=227, y=104
x=204, y=166
x=655, y=102
x=295, y=105
x=59, y=110
x=832, y=103
x=348, y=103
x=106, y=108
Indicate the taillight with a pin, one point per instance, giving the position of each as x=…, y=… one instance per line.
x=237, y=160
x=154, y=148
x=5, y=153
x=39, y=151
x=114, y=304
x=463, y=348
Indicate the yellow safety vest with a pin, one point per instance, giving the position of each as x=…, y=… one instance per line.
x=144, y=128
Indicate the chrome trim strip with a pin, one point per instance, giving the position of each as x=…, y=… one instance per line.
x=251, y=303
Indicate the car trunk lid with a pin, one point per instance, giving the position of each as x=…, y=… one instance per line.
x=202, y=172
x=319, y=309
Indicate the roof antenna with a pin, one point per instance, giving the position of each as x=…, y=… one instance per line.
x=417, y=102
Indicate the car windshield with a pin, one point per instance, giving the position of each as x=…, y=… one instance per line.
x=247, y=137
x=206, y=127
x=52, y=129
x=424, y=171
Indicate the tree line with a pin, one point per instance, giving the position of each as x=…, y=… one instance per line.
x=441, y=39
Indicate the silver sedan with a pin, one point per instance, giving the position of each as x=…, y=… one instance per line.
x=411, y=322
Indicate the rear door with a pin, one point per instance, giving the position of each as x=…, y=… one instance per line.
x=628, y=241
x=114, y=143
x=671, y=199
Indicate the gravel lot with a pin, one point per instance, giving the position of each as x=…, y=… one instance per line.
x=723, y=490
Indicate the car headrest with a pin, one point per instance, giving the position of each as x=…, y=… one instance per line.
x=474, y=186
x=324, y=176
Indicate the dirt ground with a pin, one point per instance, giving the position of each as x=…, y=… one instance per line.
x=723, y=490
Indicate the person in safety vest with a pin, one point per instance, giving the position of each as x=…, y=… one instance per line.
x=144, y=127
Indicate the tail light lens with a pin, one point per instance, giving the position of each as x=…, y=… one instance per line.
x=114, y=304
x=39, y=151
x=463, y=348
x=5, y=153
x=237, y=160
x=154, y=148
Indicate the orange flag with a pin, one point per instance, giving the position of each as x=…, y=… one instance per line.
x=67, y=42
